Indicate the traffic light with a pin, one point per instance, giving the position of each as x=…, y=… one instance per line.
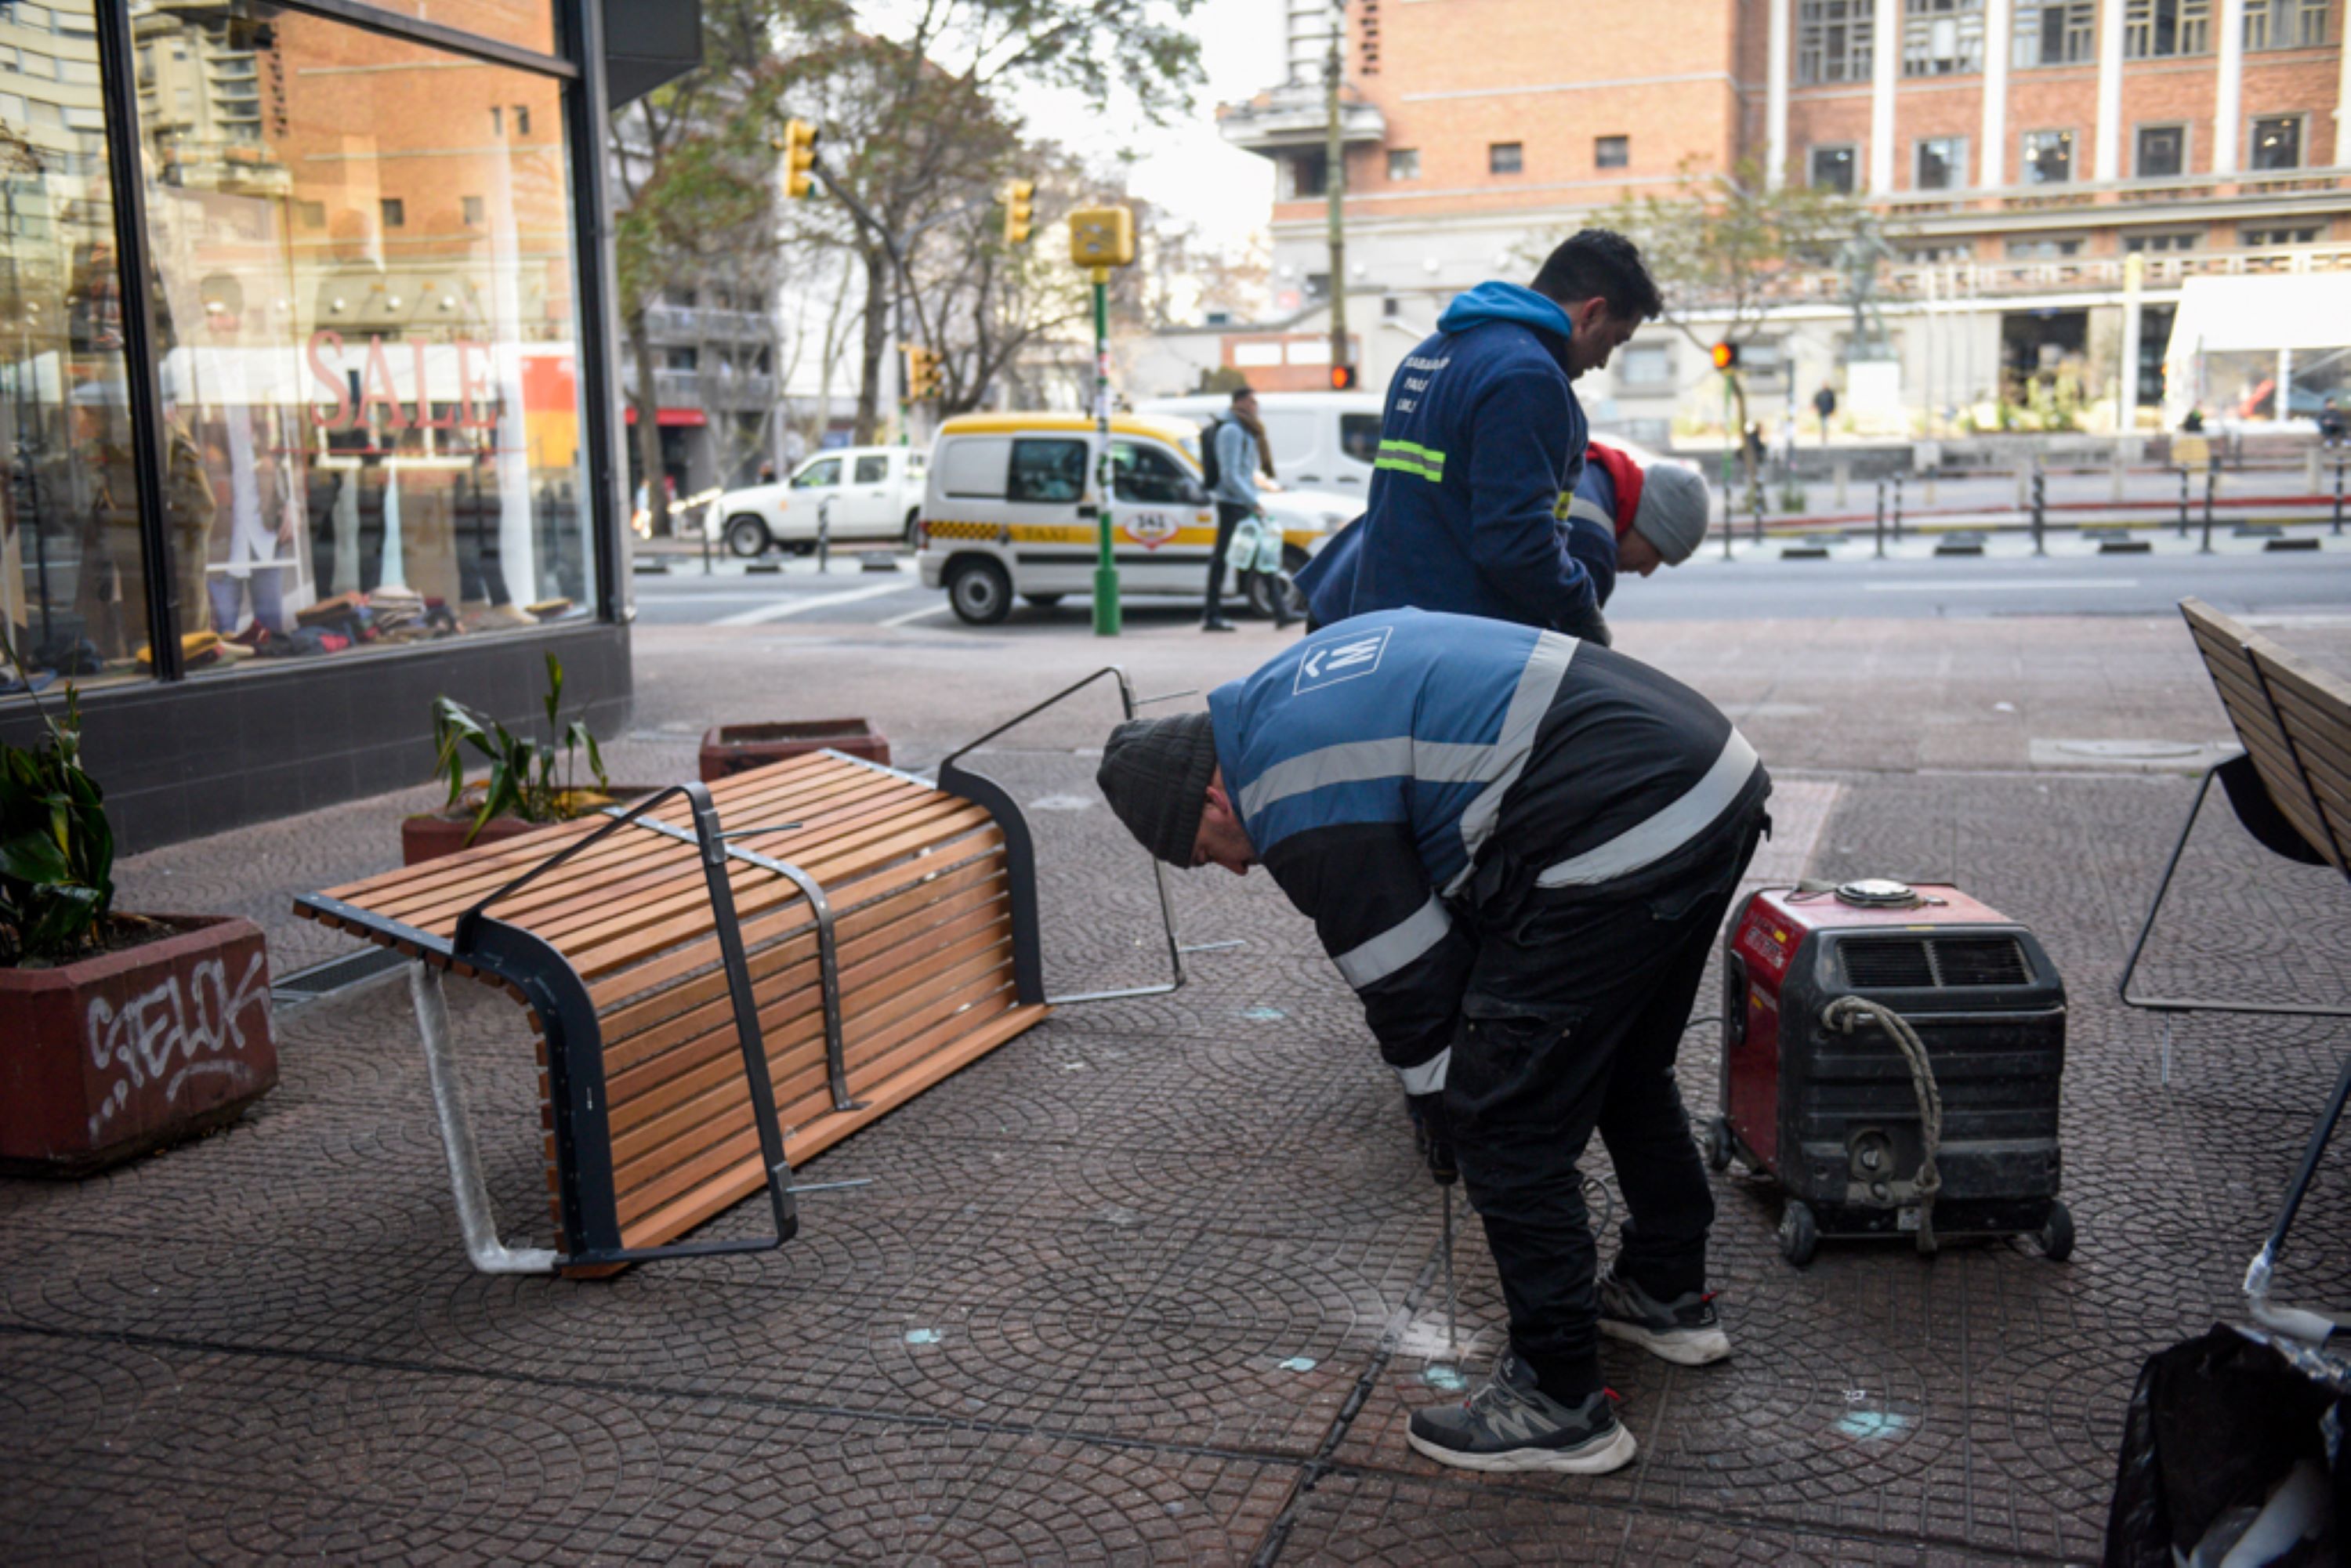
x=1101, y=236
x=800, y=157
x=921, y=372
x=1343, y=378
x=1018, y=204
x=1726, y=355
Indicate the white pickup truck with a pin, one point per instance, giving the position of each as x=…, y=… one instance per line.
x=866, y=492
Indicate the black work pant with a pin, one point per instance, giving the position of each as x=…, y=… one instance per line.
x=1574, y=1012
x=1228, y=517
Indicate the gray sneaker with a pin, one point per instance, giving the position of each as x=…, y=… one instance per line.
x=1686, y=1330
x=1509, y=1424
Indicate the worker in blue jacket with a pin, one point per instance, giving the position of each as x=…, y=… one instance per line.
x=1516, y=846
x=1481, y=437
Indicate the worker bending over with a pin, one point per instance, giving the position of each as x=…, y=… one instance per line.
x=1516, y=846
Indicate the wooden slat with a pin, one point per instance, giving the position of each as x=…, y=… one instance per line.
x=2229, y=651
x=732, y=1185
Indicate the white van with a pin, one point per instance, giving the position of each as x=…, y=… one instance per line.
x=1321, y=440
x=1004, y=513
x=869, y=493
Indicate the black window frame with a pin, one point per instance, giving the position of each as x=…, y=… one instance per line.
x=2298, y=126
x=1954, y=161
x=2138, y=149
x=1499, y=153
x=1612, y=151
x=2026, y=163
x=1852, y=152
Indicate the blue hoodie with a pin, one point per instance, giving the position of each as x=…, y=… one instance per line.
x=1481, y=440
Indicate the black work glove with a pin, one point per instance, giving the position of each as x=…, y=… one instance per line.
x=1432, y=1135
x=1590, y=626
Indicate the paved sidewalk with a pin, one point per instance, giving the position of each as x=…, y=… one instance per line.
x=1157, y=1281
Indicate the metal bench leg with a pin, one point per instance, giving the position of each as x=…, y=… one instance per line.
x=475, y=1217
x=2293, y=1320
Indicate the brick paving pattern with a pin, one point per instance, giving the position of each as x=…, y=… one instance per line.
x=1158, y=1281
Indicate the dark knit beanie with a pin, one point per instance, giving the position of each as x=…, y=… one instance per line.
x=1155, y=772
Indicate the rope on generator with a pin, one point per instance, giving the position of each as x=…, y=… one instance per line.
x=1849, y=1015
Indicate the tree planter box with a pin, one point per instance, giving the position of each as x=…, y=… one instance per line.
x=732, y=748
x=431, y=834
x=129, y=1052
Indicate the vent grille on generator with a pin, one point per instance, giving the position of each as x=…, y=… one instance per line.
x=1945, y=963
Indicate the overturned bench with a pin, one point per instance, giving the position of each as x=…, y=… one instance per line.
x=723, y=980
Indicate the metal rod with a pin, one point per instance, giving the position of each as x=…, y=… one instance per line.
x=2211, y=483
x=2183, y=501
x=476, y=1218
x=828, y=951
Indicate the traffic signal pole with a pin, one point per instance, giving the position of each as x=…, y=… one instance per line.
x=1106, y=608
x=1334, y=185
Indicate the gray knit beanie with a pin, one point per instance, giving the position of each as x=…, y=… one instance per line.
x=1155, y=772
x=1672, y=513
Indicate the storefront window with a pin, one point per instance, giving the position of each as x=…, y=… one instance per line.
x=71, y=589
x=363, y=250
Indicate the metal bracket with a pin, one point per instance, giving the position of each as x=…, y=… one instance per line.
x=828, y=949
x=957, y=780
x=574, y=1057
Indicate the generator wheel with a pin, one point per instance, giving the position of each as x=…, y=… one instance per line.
x=1718, y=1143
x=2056, y=1235
x=1800, y=1236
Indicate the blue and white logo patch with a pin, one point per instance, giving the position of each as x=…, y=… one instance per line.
x=1340, y=658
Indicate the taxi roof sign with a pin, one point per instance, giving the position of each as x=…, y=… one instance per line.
x=1101, y=236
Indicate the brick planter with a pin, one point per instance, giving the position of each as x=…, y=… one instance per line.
x=734, y=747
x=429, y=835
x=118, y=1054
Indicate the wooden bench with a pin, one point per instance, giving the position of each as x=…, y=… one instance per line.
x=2291, y=790
x=723, y=980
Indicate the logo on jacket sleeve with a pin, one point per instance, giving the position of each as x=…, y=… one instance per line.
x=1340, y=658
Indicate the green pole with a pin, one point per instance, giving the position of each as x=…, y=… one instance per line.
x=1105, y=566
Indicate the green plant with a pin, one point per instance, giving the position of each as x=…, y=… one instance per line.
x=523, y=778
x=57, y=849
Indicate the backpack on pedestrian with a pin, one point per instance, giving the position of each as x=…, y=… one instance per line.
x=1212, y=472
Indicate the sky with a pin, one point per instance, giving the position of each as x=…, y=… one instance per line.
x=1187, y=167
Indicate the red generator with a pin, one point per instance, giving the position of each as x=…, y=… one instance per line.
x=1891, y=1055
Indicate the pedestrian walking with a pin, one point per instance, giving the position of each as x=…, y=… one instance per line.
x=1241, y=452
x=2332, y=425
x=1517, y=848
x=1825, y=403
x=1481, y=439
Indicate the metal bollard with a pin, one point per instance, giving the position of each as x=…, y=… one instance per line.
x=2039, y=511
x=1729, y=517
x=1881, y=519
x=1755, y=505
x=2211, y=483
x=1897, y=504
x=2338, y=498
x=2183, y=503
x=824, y=535
x=705, y=540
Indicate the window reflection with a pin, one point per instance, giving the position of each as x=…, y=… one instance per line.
x=365, y=318
x=71, y=589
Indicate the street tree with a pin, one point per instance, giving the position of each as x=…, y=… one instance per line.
x=921, y=130
x=1729, y=249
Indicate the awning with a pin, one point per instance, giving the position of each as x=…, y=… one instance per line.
x=667, y=417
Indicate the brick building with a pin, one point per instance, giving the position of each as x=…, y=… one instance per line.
x=2018, y=151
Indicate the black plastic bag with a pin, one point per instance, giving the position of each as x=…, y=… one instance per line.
x=2215, y=1424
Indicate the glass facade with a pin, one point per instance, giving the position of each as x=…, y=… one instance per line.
x=364, y=339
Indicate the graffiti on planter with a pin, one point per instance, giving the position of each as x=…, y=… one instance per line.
x=188, y=1026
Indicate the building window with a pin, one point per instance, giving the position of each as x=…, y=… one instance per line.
x=404, y=463
x=2285, y=24
x=1506, y=158
x=2277, y=142
x=522, y=119
x=1933, y=252
x=1306, y=175
x=1318, y=285
x=2160, y=151
x=310, y=214
x=1942, y=37
x=1646, y=365
x=497, y=120
x=2159, y=29
x=2045, y=249
x=2271, y=235
x=472, y=210
x=681, y=357
x=1612, y=151
x=1941, y=163
x=2048, y=157
x=2054, y=32
x=2156, y=244
x=1832, y=40
x=1831, y=168
x=1403, y=163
